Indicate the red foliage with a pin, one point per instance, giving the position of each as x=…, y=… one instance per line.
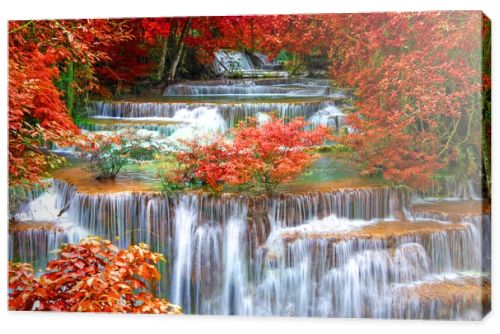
x=33, y=96
x=211, y=163
x=128, y=61
x=261, y=156
x=417, y=74
x=208, y=34
x=37, y=113
x=154, y=27
x=418, y=85
x=275, y=152
x=92, y=276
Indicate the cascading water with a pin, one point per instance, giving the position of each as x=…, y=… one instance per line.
x=184, y=224
x=41, y=227
x=330, y=116
x=450, y=189
x=232, y=61
x=355, y=252
x=200, y=121
x=246, y=64
x=337, y=254
x=232, y=113
x=246, y=88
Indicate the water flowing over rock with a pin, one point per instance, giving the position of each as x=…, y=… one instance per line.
x=123, y=124
x=358, y=251
x=298, y=88
x=330, y=116
x=42, y=226
x=246, y=64
x=36, y=242
x=343, y=253
x=317, y=112
x=232, y=61
x=450, y=189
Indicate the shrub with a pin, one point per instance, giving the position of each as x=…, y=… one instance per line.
x=207, y=164
x=174, y=176
x=106, y=154
x=258, y=158
x=140, y=148
x=92, y=276
x=273, y=153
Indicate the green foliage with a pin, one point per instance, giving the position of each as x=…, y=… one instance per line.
x=235, y=75
x=283, y=56
x=107, y=163
x=107, y=156
x=75, y=100
x=141, y=150
x=262, y=183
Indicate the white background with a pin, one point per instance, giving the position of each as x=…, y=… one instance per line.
x=12, y=322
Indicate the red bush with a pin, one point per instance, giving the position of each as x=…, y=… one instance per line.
x=258, y=156
x=92, y=276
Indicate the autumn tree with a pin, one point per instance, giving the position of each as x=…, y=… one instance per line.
x=258, y=157
x=128, y=61
x=418, y=91
x=40, y=54
x=273, y=153
x=205, y=35
x=92, y=276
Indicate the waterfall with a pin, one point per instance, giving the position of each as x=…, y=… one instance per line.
x=365, y=204
x=333, y=254
x=184, y=224
x=227, y=62
x=41, y=227
x=235, y=277
x=251, y=87
x=449, y=189
x=244, y=89
x=262, y=118
x=330, y=116
x=230, y=113
x=232, y=61
x=201, y=119
x=37, y=243
x=117, y=124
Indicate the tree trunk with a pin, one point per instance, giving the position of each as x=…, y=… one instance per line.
x=178, y=52
x=183, y=56
x=163, y=58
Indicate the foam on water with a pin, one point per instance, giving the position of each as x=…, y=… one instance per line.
x=330, y=116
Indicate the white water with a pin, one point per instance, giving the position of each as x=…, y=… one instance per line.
x=51, y=228
x=232, y=113
x=219, y=262
x=234, y=293
x=207, y=118
x=232, y=254
x=198, y=123
x=262, y=118
x=185, y=219
x=232, y=61
x=188, y=124
x=249, y=87
x=330, y=116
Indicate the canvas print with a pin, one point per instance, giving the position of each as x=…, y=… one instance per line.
x=323, y=165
